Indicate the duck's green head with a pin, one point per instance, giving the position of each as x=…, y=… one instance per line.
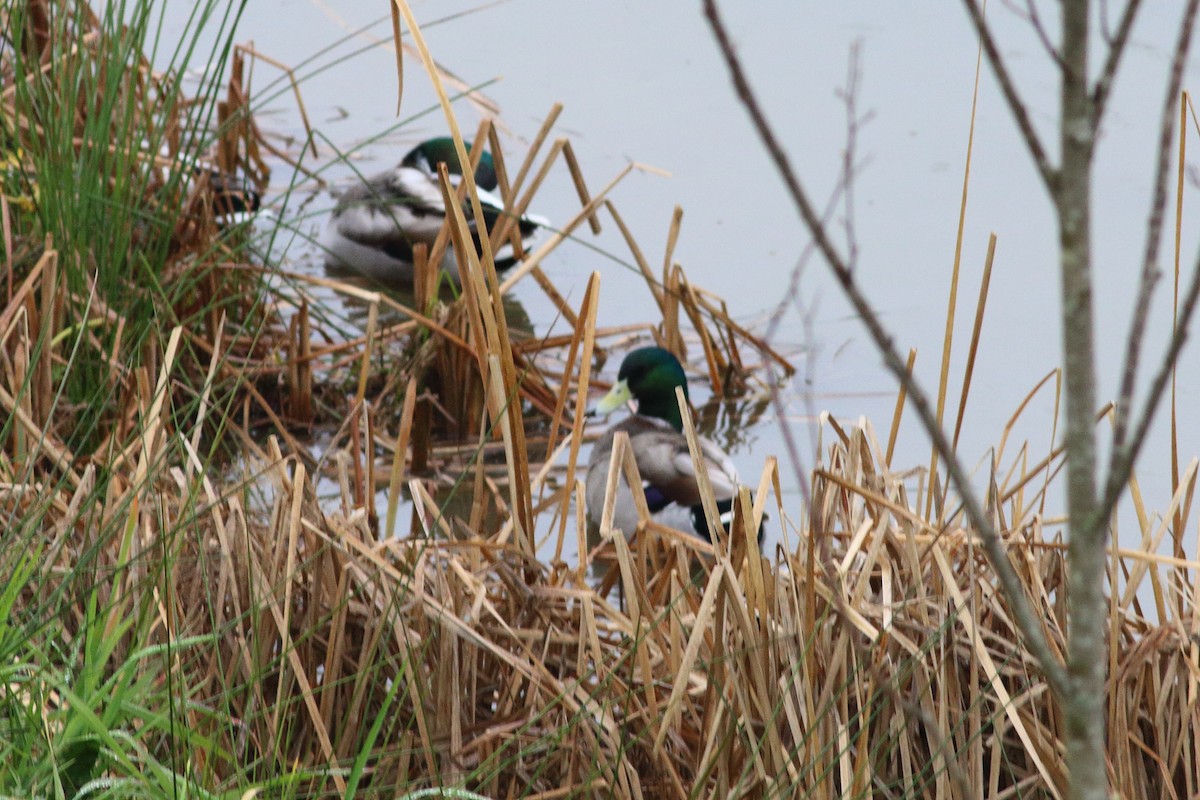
x=428, y=154
x=648, y=375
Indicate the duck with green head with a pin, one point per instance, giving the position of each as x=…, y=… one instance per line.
x=649, y=376
x=375, y=224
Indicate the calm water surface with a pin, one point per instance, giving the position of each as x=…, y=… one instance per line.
x=643, y=81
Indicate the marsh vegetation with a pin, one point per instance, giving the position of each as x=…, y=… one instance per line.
x=182, y=612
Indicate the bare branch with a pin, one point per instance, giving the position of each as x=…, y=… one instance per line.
x=843, y=189
x=1030, y=15
x=792, y=297
x=1115, y=51
x=1125, y=456
x=1158, y=203
x=1104, y=32
x=1036, y=151
x=1027, y=621
x=854, y=123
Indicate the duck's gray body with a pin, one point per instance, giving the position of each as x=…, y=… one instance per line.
x=668, y=473
x=376, y=224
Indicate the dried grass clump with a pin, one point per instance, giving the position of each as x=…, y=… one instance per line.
x=117, y=188
x=186, y=167
x=872, y=654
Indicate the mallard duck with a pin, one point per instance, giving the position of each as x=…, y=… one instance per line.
x=649, y=376
x=234, y=198
x=376, y=223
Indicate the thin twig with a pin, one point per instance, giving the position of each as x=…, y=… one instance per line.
x=1116, y=49
x=1158, y=204
x=792, y=297
x=854, y=123
x=1125, y=455
x=1008, y=88
x=1029, y=623
x=1030, y=15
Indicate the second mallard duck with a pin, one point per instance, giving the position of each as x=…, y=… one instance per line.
x=649, y=376
x=375, y=224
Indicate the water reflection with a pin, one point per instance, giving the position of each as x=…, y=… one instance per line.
x=461, y=505
x=733, y=423
x=520, y=324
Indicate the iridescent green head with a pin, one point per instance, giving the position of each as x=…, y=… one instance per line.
x=428, y=154
x=648, y=375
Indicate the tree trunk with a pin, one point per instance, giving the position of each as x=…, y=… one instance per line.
x=1084, y=704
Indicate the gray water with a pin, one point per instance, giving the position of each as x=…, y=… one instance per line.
x=644, y=81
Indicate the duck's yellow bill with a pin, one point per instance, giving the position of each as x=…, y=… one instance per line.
x=618, y=396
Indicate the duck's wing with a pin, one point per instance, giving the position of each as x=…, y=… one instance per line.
x=722, y=475
x=493, y=210
x=665, y=462
x=391, y=210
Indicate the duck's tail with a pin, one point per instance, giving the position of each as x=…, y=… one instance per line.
x=527, y=226
x=724, y=514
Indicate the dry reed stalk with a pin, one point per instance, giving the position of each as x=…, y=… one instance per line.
x=585, y=197
x=495, y=362
x=514, y=209
x=240, y=88
x=672, y=338
x=639, y=258
x=898, y=413
x=303, y=410
x=482, y=294
x=535, y=258
x=399, y=456
x=582, y=345
x=973, y=348
x=727, y=687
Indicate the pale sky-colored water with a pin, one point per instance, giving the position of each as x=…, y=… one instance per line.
x=644, y=81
